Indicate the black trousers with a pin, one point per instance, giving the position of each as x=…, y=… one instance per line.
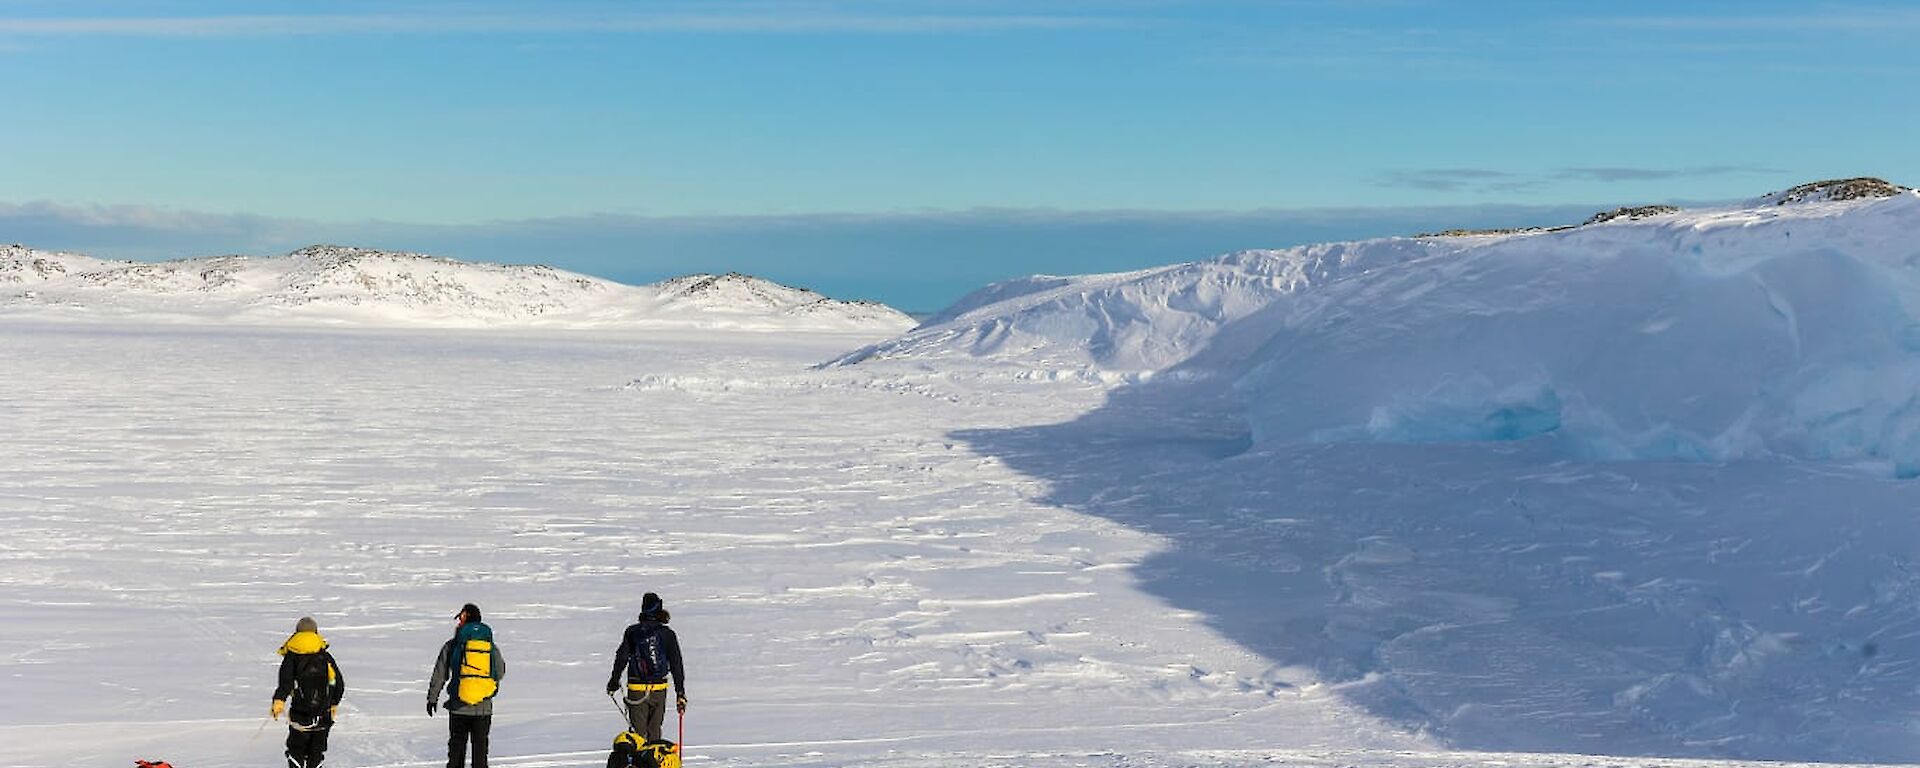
x=306, y=749
x=464, y=728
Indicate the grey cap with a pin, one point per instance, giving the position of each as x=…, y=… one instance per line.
x=306, y=624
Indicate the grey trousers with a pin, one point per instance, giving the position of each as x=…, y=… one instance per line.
x=646, y=711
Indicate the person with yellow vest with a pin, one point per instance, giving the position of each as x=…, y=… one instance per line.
x=648, y=656
x=470, y=668
x=311, y=683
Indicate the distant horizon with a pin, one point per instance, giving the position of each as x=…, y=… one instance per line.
x=638, y=250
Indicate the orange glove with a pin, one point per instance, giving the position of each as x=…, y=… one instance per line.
x=279, y=706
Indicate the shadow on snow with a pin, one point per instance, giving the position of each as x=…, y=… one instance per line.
x=1501, y=598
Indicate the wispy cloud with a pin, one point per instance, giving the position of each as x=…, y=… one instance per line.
x=1867, y=20
x=1460, y=180
x=366, y=24
x=1656, y=174
x=1488, y=180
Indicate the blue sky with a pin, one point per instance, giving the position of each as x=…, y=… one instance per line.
x=909, y=150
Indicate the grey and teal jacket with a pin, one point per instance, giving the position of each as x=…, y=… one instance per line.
x=446, y=677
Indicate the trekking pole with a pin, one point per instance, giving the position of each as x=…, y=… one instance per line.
x=256, y=733
x=618, y=706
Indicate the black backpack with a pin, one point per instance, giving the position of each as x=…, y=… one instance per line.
x=312, y=684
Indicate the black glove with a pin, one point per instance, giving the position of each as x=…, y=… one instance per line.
x=680, y=704
x=431, y=706
x=611, y=687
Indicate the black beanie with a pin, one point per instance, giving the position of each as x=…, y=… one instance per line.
x=471, y=611
x=651, y=604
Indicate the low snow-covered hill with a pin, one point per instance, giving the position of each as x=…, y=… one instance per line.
x=342, y=285
x=1146, y=320
x=1790, y=325
x=1832, y=191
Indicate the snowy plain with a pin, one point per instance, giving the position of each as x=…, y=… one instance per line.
x=855, y=583
x=851, y=583
x=1397, y=502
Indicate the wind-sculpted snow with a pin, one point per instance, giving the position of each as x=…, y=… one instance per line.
x=1784, y=329
x=1145, y=320
x=1395, y=478
x=1706, y=337
x=365, y=287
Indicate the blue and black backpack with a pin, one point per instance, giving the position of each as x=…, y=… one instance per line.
x=647, y=656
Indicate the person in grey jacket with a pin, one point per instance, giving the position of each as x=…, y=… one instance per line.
x=469, y=669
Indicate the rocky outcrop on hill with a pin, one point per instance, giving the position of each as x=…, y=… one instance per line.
x=1832, y=190
x=1630, y=213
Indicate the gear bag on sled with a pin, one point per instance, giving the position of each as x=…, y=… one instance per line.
x=475, y=669
x=632, y=750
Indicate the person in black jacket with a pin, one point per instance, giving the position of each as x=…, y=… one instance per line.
x=311, y=682
x=649, y=654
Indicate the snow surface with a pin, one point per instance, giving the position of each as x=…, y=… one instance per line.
x=357, y=286
x=850, y=582
x=1314, y=507
x=896, y=566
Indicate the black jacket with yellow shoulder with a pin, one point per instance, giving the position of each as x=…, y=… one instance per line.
x=298, y=655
